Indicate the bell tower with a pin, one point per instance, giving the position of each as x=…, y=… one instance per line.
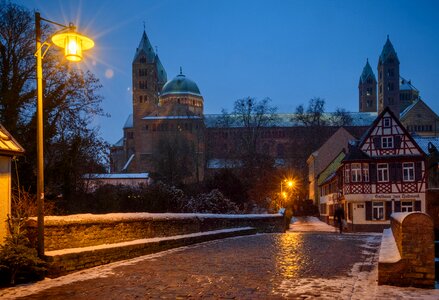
x=388, y=79
x=367, y=90
x=149, y=76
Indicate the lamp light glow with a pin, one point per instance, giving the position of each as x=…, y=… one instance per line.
x=73, y=44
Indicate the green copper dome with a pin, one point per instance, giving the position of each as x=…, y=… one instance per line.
x=180, y=85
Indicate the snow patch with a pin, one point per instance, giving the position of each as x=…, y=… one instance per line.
x=389, y=252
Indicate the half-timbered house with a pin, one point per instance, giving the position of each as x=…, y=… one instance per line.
x=383, y=172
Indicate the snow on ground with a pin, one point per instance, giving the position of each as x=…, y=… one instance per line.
x=103, y=271
x=310, y=224
x=357, y=285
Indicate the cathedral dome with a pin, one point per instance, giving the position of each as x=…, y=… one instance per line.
x=180, y=85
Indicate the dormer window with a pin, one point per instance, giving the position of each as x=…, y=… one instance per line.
x=387, y=142
x=387, y=122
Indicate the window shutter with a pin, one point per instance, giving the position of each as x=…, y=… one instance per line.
x=392, y=172
x=368, y=210
x=417, y=205
x=397, y=141
x=388, y=209
x=397, y=206
x=377, y=142
x=372, y=173
x=398, y=172
x=418, y=171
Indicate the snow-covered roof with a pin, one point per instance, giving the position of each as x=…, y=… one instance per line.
x=117, y=176
x=222, y=163
x=8, y=145
x=287, y=120
x=119, y=143
x=170, y=117
x=129, y=122
x=127, y=164
x=423, y=142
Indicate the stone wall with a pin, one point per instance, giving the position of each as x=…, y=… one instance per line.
x=77, y=242
x=91, y=230
x=414, y=239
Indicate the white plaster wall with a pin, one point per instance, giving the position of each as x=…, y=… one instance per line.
x=5, y=194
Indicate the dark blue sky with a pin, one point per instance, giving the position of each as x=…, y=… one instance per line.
x=289, y=51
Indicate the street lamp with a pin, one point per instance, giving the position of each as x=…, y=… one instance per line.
x=73, y=43
x=290, y=183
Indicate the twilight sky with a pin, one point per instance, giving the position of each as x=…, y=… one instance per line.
x=289, y=51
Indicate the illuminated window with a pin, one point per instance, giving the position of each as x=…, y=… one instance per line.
x=383, y=172
x=406, y=206
x=356, y=172
x=347, y=173
x=365, y=171
x=408, y=171
x=377, y=210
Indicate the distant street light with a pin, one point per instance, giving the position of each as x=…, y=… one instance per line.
x=73, y=43
x=290, y=183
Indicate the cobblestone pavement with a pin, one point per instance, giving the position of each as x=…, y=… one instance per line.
x=267, y=266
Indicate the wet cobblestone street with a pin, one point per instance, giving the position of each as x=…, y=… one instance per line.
x=265, y=266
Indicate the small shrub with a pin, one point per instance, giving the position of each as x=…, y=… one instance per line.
x=213, y=202
x=18, y=260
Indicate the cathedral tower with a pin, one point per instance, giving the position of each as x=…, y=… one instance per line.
x=367, y=90
x=388, y=79
x=149, y=76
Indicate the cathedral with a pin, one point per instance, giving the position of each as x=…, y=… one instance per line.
x=169, y=135
x=395, y=92
x=166, y=127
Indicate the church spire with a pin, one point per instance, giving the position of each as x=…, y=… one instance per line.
x=388, y=52
x=146, y=48
x=367, y=73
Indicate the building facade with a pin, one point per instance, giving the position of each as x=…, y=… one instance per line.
x=382, y=173
x=166, y=127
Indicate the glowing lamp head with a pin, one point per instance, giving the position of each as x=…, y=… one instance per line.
x=73, y=44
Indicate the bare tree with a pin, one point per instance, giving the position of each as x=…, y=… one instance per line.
x=71, y=101
x=340, y=118
x=313, y=115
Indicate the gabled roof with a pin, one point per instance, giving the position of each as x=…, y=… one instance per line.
x=161, y=72
x=145, y=48
x=8, y=145
x=418, y=102
x=388, y=51
x=406, y=85
x=377, y=120
x=331, y=149
x=367, y=72
x=129, y=122
x=355, y=153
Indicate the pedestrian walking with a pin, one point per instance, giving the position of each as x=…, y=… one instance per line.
x=339, y=217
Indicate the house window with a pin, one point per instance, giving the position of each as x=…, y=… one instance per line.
x=377, y=210
x=356, y=172
x=365, y=171
x=408, y=171
x=387, y=122
x=383, y=172
x=347, y=173
x=387, y=142
x=406, y=206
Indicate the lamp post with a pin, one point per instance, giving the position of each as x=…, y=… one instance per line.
x=73, y=44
